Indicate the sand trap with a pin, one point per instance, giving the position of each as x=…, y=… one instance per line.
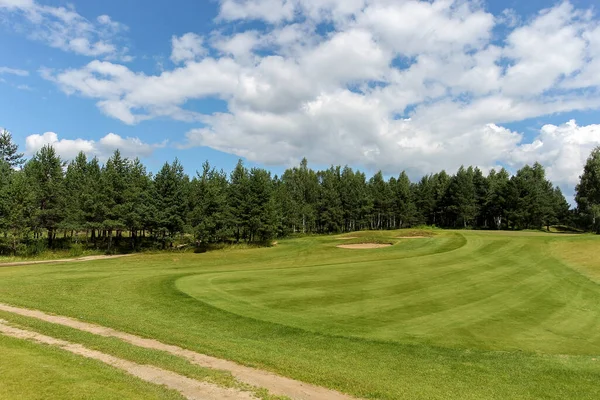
x=363, y=246
x=413, y=237
x=189, y=388
x=63, y=260
x=276, y=384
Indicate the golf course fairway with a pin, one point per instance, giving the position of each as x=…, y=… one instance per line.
x=436, y=315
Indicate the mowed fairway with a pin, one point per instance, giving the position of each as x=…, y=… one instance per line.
x=459, y=315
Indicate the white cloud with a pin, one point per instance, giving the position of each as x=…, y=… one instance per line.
x=13, y=71
x=65, y=29
x=103, y=148
x=269, y=10
x=418, y=85
x=417, y=27
x=240, y=45
x=188, y=47
x=548, y=48
x=562, y=149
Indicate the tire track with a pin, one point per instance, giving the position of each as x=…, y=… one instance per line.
x=189, y=388
x=276, y=384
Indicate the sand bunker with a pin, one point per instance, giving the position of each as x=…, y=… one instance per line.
x=363, y=246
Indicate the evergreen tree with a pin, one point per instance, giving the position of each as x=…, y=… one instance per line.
x=238, y=200
x=75, y=188
x=45, y=174
x=21, y=208
x=5, y=183
x=481, y=184
x=114, y=179
x=587, y=192
x=139, y=205
x=9, y=151
x=94, y=198
x=261, y=223
x=496, y=202
x=170, y=186
x=405, y=202
x=210, y=215
x=330, y=203
x=382, y=201
x=461, y=197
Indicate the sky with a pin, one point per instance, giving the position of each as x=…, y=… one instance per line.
x=385, y=85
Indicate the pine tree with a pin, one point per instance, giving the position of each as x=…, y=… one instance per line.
x=330, y=212
x=587, y=192
x=238, y=200
x=138, y=207
x=45, y=173
x=210, y=216
x=171, y=190
x=5, y=182
x=114, y=184
x=22, y=208
x=75, y=187
x=496, y=203
x=94, y=199
x=261, y=223
x=406, y=208
x=9, y=151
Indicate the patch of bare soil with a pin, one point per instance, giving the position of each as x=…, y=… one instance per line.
x=413, y=237
x=64, y=260
x=189, y=388
x=276, y=384
x=363, y=246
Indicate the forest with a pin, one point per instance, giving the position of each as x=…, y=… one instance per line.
x=48, y=203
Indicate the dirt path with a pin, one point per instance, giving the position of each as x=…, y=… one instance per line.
x=276, y=384
x=189, y=388
x=63, y=260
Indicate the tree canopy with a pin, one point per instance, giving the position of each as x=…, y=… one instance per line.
x=47, y=197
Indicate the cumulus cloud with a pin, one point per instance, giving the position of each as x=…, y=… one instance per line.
x=103, y=148
x=188, y=47
x=416, y=85
x=64, y=28
x=562, y=149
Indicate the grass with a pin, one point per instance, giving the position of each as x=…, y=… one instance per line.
x=34, y=371
x=139, y=355
x=465, y=315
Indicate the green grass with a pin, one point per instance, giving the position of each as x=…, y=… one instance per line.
x=35, y=371
x=465, y=315
x=123, y=350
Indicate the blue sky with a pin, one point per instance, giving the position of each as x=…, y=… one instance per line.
x=489, y=83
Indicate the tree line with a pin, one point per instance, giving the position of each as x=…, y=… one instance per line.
x=119, y=203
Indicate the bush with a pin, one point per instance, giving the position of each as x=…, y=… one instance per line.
x=76, y=250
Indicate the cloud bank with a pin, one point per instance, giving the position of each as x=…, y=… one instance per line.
x=386, y=84
x=103, y=148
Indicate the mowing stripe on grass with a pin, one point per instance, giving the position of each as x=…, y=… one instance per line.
x=189, y=388
x=274, y=383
